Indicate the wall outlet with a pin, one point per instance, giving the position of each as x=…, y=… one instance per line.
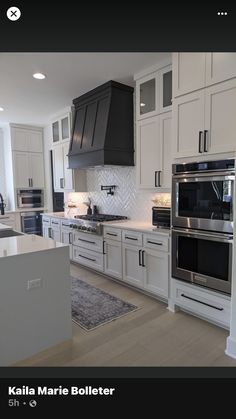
x=34, y=283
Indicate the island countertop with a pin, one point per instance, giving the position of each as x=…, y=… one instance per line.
x=28, y=243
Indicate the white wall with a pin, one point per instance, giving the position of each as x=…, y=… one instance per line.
x=127, y=199
x=47, y=167
x=2, y=167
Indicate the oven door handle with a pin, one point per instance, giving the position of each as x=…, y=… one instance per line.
x=207, y=236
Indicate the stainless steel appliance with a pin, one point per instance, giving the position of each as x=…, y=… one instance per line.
x=31, y=222
x=30, y=198
x=202, y=195
x=93, y=223
x=203, y=258
x=202, y=223
x=161, y=217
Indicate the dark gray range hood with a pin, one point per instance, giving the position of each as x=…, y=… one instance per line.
x=102, y=132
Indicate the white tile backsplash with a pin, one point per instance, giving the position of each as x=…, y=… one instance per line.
x=127, y=199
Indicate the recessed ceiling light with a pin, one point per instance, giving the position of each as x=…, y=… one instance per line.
x=1, y=109
x=142, y=104
x=39, y=76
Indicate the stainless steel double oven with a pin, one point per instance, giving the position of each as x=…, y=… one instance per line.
x=202, y=223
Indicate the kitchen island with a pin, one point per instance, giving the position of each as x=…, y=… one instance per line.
x=35, y=304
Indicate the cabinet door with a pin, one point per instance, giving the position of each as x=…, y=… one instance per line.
x=46, y=231
x=35, y=141
x=188, y=121
x=220, y=66
x=56, y=235
x=55, y=131
x=65, y=127
x=220, y=117
x=20, y=139
x=21, y=169
x=132, y=270
x=165, y=139
x=37, y=169
x=147, y=96
x=68, y=173
x=188, y=72
x=165, y=75
x=156, y=271
x=149, y=152
x=66, y=238
x=113, y=258
x=58, y=168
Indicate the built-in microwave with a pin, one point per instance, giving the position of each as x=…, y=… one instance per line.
x=30, y=198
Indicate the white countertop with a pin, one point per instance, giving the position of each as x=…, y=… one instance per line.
x=58, y=215
x=4, y=227
x=138, y=225
x=28, y=243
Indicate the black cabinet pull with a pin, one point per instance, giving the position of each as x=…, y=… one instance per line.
x=85, y=257
x=200, y=142
x=158, y=244
x=201, y=302
x=111, y=234
x=70, y=238
x=103, y=247
x=159, y=178
x=205, y=141
x=86, y=241
x=131, y=238
x=143, y=251
x=139, y=258
x=156, y=178
x=54, y=222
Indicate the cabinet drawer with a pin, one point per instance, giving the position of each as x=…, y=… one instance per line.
x=132, y=237
x=46, y=220
x=65, y=225
x=88, y=258
x=211, y=306
x=111, y=233
x=156, y=242
x=56, y=223
x=88, y=241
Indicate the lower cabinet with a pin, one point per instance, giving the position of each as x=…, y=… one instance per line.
x=66, y=238
x=88, y=258
x=147, y=269
x=113, y=258
x=156, y=272
x=132, y=268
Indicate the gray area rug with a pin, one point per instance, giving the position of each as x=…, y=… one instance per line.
x=92, y=307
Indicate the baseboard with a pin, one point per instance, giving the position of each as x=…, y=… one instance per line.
x=231, y=347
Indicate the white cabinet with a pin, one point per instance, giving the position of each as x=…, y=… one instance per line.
x=113, y=258
x=156, y=272
x=46, y=223
x=28, y=169
x=154, y=152
x=30, y=140
x=132, y=268
x=88, y=258
x=204, y=121
x=66, y=234
x=193, y=71
x=154, y=93
x=220, y=66
x=61, y=128
x=66, y=179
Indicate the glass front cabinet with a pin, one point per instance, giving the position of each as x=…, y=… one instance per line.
x=154, y=93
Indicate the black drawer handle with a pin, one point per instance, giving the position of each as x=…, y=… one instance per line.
x=205, y=141
x=139, y=258
x=87, y=241
x=54, y=222
x=155, y=178
x=200, y=142
x=85, y=257
x=143, y=258
x=201, y=302
x=65, y=225
x=103, y=247
x=111, y=234
x=131, y=238
x=158, y=244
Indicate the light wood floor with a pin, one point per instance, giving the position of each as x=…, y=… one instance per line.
x=150, y=336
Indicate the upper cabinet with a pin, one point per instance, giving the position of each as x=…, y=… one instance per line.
x=61, y=128
x=194, y=71
x=29, y=140
x=154, y=93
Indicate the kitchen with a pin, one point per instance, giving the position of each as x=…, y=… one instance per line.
x=148, y=143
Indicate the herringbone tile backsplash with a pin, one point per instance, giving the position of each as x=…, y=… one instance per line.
x=127, y=199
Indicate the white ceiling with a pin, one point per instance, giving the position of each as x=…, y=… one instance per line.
x=29, y=101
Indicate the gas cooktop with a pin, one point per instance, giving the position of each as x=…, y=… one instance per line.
x=92, y=223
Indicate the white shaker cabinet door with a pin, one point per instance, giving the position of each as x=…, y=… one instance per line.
x=156, y=272
x=132, y=269
x=37, y=169
x=188, y=72
x=21, y=169
x=166, y=141
x=113, y=258
x=220, y=66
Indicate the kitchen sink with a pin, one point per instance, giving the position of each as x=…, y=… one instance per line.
x=9, y=233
